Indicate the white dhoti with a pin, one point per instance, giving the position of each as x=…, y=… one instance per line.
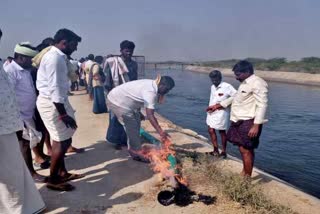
x=18, y=193
x=30, y=133
x=50, y=116
x=218, y=119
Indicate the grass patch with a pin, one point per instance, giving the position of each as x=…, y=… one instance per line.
x=233, y=186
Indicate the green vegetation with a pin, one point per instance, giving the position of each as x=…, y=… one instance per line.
x=306, y=65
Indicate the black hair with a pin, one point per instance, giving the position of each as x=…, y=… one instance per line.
x=215, y=74
x=98, y=59
x=167, y=81
x=45, y=43
x=65, y=34
x=243, y=66
x=127, y=44
x=0, y=33
x=90, y=57
x=82, y=60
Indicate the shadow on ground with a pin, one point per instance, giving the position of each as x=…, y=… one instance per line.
x=107, y=171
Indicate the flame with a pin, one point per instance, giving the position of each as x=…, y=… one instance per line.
x=160, y=163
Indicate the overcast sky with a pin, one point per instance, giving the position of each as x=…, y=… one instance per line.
x=170, y=29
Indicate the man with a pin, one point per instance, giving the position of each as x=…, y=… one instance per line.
x=74, y=82
x=217, y=119
x=119, y=70
x=82, y=81
x=18, y=193
x=95, y=82
x=87, y=64
x=54, y=107
x=126, y=101
x=19, y=73
x=248, y=111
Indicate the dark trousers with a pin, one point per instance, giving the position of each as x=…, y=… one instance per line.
x=116, y=133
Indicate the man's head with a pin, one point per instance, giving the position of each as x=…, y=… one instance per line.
x=165, y=85
x=82, y=60
x=215, y=77
x=242, y=70
x=67, y=41
x=127, y=49
x=9, y=59
x=90, y=57
x=23, y=53
x=98, y=59
x=45, y=43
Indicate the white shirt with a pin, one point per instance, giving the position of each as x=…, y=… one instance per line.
x=250, y=101
x=22, y=83
x=52, y=76
x=10, y=121
x=135, y=94
x=219, y=118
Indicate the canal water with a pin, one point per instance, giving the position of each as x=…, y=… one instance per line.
x=290, y=141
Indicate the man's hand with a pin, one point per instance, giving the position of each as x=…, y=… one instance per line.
x=213, y=108
x=69, y=122
x=254, y=131
x=164, y=136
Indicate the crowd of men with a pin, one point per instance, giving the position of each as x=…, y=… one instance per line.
x=35, y=111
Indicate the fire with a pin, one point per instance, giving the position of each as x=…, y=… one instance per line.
x=163, y=162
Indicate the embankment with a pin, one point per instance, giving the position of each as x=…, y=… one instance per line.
x=276, y=189
x=276, y=76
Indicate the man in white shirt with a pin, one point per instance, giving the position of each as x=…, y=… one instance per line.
x=18, y=193
x=19, y=73
x=248, y=110
x=126, y=101
x=218, y=119
x=54, y=107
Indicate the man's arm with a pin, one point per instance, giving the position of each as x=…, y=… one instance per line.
x=154, y=122
x=56, y=68
x=260, y=94
x=12, y=76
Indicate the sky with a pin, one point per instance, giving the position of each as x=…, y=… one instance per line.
x=183, y=30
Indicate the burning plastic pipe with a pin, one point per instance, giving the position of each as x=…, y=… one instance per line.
x=163, y=159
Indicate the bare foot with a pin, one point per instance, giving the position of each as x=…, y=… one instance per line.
x=39, y=160
x=72, y=149
x=39, y=178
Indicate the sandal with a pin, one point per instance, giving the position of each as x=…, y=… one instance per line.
x=60, y=187
x=141, y=159
x=75, y=150
x=223, y=155
x=118, y=147
x=40, y=178
x=214, y=153
x=43, y=165
x=71, y=177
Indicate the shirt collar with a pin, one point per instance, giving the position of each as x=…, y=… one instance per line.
x=219, y=86
x=250, y=79
x=58, y=51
